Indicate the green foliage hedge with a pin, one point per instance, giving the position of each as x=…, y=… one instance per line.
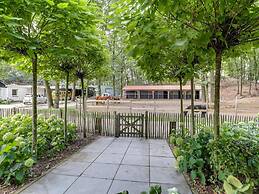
x=236, y=153
x=212, y=161
x=15, y=143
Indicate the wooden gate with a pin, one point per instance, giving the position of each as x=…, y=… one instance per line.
x=129, y=125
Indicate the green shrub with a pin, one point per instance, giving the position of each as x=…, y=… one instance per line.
x=15, y=143
x=193, y=155
x=236, y=152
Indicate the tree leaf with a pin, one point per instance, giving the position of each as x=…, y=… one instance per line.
x=234, y=181
x=62, y=5
x=50, y=2
x=193, y=174
x=245, y=188
x=227, y=187
x=19, y=175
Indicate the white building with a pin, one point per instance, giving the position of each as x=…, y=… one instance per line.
x=17, y=92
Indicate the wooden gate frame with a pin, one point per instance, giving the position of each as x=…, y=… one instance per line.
x=122, y=124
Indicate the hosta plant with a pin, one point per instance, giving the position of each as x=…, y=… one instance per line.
x=15, y=144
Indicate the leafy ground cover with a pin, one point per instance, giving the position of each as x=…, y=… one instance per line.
x=17, y=165
x=229, y=164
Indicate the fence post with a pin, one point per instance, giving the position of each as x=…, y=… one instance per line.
x=146, y=124
x=61, y=114
x=14, y=110
x=117, y=124
x=98, y=124
x=172, y=127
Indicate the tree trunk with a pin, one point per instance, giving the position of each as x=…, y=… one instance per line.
x=73, y=98
x=99, y=87
x=207, y=92
x=84, y=111
x=211, y=88
x=250, y=87
x=49, y=94
x=238, y=92
x=181, y=106
x=113, y=84
x=192, y=107
x=217, y=93
x=237, y=76
x=256, y=73
x=241, y=78
x=121, y=82
x=57, y=94
x=34, y=104
x=65, y=112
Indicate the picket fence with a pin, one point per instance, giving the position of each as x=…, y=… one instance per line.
x=156, y=125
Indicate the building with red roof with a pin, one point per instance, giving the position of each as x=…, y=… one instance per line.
x=159, y=92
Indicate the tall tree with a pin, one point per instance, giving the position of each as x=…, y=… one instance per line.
x=28, y=25
x=220, y=25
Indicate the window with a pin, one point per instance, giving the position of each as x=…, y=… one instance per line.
x=146, y=95
x=174, y=94
x=197, y=94
x=131, y=94
x=188, y=94
x=14, y=92
x=159, y=94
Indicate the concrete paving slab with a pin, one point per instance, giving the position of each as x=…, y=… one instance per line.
x=139, y=145
x=133, y=173
x=50, y=184
x=115, y=150
x=158, y=141
x=161, y=152
x=84, y=157
x=138, y=151
x=132, y=187
x=86, y=185
x=123, y=146
x=139, y=160
x=182, y=189
x=162, y=162
x=71, y=168
x=115, y=163
x=99, y=170
x=123, y=139
x=95, y=148
x=109, y=158
x=165, y=175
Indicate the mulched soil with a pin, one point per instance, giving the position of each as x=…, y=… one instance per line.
x=46, y=163
x=197, y=187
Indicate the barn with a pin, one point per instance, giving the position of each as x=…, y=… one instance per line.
x=159, y=92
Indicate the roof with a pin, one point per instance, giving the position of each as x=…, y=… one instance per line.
x=22, y=86
x=159, y=87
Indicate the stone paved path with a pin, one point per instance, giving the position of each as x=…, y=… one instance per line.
x=111, y=165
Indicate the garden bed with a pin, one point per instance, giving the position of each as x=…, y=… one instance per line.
x=18, y=165
x=195, y=185
x=44, y=164
x=226, y=165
